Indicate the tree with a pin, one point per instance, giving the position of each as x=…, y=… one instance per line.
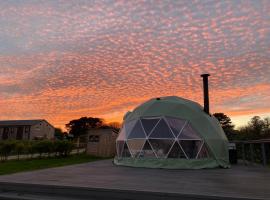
x=59, y=134
x=115, y=125
x=257, y=125
x=79, y=127
x=256, y=128
x=266, y=128
x=226, y=124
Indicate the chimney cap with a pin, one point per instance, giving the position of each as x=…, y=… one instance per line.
x=205, y=75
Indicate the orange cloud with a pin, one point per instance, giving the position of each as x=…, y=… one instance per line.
x=63, y=60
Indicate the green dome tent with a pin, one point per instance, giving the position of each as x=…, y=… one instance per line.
x=171, y=132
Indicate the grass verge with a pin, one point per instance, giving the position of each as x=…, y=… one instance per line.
x=14, y=166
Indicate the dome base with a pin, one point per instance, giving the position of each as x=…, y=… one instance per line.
x=169, y=163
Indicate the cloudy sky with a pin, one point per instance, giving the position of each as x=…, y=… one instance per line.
x=61, y=60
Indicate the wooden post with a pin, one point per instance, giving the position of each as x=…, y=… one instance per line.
x=78, y=145
x=243, y=153
x=251, y=152
x=263, y=154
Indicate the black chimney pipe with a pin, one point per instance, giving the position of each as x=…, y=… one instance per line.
x=205, y=92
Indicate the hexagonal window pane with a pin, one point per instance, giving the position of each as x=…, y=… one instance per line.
x=122, y=134
x=161, y=146
x=176, y=152
x=204, y=153
x=135, y=146
x=126, y=152
x=137, y=131
x=162, y=130
x=149, y=124
x=147, y=151
x=176, y=125
x=188, y=133
x=191, y=147
x=119, y=147
x=129, y=126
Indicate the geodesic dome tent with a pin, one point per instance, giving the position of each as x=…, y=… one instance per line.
x=171, y=132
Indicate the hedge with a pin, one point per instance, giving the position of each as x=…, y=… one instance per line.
x=42, y=147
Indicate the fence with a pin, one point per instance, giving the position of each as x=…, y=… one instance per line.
x=12, y=149
x=254, y=151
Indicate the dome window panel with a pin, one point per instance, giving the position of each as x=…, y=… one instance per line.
x=161, y=147
x=188, y=133
x=148, y=124
x=161, y=130
x=176, y=152
x=137, y=131
x=119, y=147
x=129, y=126
x=122, y=135
x=135, y=146
x=176, y=125
x=204, y=153
x=147, y=151
x=191, y=147
x=126, y=152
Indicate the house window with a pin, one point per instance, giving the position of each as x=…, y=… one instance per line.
x=93, y=138
x=5, y=133
x=19, y=135
x=12, y=133
x=27, y=132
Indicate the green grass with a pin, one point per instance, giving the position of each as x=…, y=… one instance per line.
x=14, y=166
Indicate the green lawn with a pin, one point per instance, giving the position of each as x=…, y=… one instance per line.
x=15, y=166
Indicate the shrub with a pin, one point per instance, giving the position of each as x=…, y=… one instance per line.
x=42, y=147
x=63, y=148
x=19, y=148
x=6, y=148
x=29, y=148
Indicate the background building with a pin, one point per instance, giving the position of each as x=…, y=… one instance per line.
x=26, y=130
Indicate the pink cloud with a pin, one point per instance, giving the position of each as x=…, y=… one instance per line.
x=103, y=59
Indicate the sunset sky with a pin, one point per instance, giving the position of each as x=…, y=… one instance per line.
x=61, y=60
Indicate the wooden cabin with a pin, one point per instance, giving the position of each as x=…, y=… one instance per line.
x=101, y=142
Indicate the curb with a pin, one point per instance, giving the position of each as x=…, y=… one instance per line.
x=23, y=190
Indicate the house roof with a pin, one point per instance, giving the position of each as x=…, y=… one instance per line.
x=20, y=122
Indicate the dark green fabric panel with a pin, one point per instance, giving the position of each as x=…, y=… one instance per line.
x=171, y=163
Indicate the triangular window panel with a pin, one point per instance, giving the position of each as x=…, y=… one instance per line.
x=119, y=148
x=161, y=146
x=129, y=126
x=147, y=151
x=204, y=153
x=122, y=134
x=188, y=133
x=126, y=152
x=176, y=151
x=191, y=147
x=135, y=146
x=176, y=125
x=149, y=124
x=137, y=131
x=162, y=130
